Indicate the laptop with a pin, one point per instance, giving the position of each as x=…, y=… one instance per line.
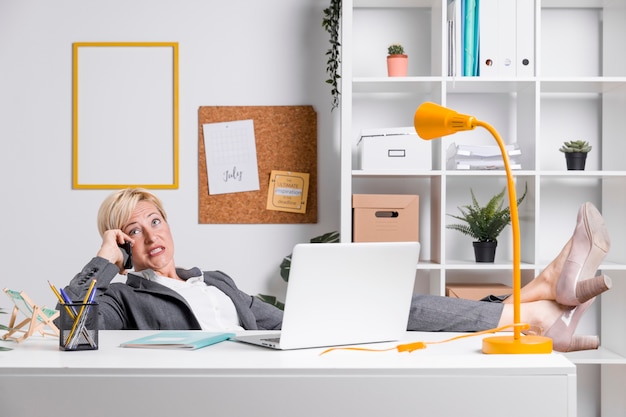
x=345, y=294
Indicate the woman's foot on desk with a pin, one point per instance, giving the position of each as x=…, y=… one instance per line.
x=590, y=244
x=562, y=331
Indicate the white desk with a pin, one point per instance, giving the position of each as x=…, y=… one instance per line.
x=230, y=378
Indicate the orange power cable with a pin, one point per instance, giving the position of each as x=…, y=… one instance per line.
x=410, y=347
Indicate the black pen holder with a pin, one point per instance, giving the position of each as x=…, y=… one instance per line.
x=78, y=327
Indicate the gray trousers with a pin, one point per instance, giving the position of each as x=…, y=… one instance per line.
x=432, y=313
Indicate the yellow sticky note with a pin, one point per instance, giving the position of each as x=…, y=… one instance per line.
x=288, y=191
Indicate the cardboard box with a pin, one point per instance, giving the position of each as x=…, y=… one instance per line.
x=385, y=218
x=476, y=291
x=394, y=149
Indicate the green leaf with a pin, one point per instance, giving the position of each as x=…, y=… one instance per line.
x=330, y=23
x=270, y=299
x=485, y=223
x=575, y=146
x=285, y=265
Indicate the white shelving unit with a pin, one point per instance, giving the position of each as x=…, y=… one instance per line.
x=578, y=91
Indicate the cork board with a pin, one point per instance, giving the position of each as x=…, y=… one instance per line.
x=274, y=127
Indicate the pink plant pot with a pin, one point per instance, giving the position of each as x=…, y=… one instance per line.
x=397, y=65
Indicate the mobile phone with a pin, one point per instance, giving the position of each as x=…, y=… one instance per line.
x=127, y=250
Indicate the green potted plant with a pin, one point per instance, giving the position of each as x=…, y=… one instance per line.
x=485, y=223
x=397, y=61
x=575, y=154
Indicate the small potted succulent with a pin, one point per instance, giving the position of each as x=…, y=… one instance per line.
x=397, y=61
x=575, y=154
x=485, y=223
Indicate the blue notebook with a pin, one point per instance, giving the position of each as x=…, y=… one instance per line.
x=470, y=37
x=178, y=339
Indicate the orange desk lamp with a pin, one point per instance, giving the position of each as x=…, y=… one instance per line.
x=434, y=121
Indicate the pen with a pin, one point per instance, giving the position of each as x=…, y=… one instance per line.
x=68, y=300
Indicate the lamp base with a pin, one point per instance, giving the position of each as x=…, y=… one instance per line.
x=511, y=345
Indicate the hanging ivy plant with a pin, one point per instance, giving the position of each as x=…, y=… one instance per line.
x=330, y=23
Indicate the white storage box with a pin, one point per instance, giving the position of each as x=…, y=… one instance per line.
x=394, y=149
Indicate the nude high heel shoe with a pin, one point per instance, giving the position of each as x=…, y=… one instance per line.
x=562, y=331
x=590, y=245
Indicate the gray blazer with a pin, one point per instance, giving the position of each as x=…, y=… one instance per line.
x=140, y=304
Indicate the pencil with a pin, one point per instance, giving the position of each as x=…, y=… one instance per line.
x=61, y=300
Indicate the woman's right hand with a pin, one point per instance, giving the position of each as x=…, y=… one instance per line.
x=110, y=249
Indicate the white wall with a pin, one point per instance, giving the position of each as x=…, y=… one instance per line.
x=236, y=52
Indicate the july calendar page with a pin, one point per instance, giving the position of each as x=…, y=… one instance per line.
x=231, y=159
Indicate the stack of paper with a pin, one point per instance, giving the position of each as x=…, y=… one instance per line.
x=482, y=157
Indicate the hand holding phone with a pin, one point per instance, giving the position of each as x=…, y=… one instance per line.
x=127, y=251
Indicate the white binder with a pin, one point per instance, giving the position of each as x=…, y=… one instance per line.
x=506, y=37
x=525, y=60
x=497, y=24
x=489, y=53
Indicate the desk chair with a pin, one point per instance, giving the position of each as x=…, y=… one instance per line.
x=37, y=318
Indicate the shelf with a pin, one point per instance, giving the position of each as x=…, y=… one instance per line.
x=413, y=85
x=395, y=174
x=428, y=265
x=572, y=85
x=357, y=173
x=456, y=264
x=602, y=356
x=394, y=3
x=582, y=174
x=578, y=92
x=488, y=85
x=576, y=4
x=473, y=265
x=488, y=173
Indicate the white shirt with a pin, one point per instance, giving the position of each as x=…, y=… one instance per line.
x=213, y=309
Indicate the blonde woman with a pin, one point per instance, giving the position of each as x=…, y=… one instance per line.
x=158, y=294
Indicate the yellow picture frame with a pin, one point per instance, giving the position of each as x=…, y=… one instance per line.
x=125, y=115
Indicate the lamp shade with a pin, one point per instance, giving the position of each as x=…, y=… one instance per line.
x=434, y=121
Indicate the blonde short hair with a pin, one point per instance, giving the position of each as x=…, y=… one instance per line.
x=117, y=208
